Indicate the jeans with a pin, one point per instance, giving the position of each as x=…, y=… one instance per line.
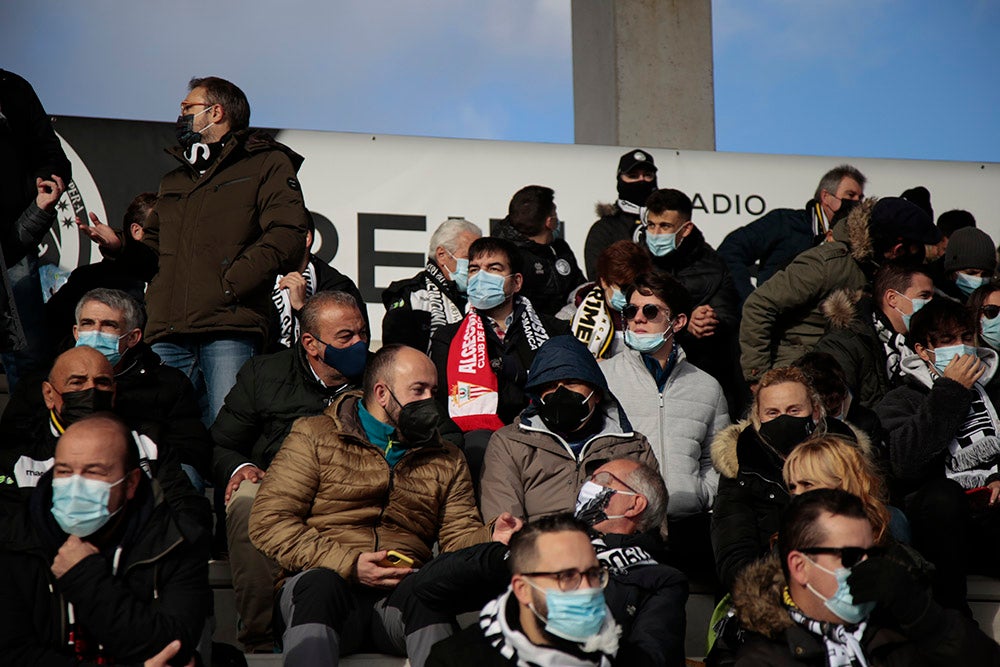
x=210, y=363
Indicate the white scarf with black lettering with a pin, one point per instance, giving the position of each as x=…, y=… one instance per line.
x=288, y=324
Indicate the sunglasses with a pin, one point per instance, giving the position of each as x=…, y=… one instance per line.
x=849, y=556
x=649, y=311
x=990, y=311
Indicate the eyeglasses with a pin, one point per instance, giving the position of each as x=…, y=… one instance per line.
x=990, y=311
x=185, y=107
x=649, y=311
x=606, y=478
x=570, y=580
x=849, y=556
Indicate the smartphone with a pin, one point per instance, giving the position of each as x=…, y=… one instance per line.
x=396, y=559
x=979, y=498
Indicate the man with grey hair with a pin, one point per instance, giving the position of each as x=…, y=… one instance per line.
x=156, y=399
x=435, y=297
x=271, y=392
x=770, y=243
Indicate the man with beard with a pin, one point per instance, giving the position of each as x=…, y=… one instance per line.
x=636, y=181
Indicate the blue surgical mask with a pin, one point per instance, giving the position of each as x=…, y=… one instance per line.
x=661, y=244
x=461, y=273
x=842, y=602
x=103, y=342
x=944, y=355
x=968, y=284
x=648, y=342
x=80, y=505
x=486, y=290
x=573, y=615
x=350, y=360
x=991, y=331
x=917, y=305
x=617, y=299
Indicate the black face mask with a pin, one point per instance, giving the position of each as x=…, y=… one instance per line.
x=786, y=431
x=564, y=410
x=79, y=404
x=637, y=192
x=417, y=423
x=846, y=206
x=184, y=131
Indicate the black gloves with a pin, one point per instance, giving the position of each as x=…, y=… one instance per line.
x=890, y=585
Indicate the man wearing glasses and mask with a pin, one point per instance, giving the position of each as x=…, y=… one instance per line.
x=829, y=597
x=553, y=612
x=677, y=406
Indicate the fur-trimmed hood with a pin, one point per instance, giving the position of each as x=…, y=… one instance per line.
x=842, y=308
x=724, y=447
x=757, y=595
x=855, y=232
x=605, y=209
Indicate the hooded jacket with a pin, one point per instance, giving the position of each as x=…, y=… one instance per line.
x=329, y=495
x=550, y=270
x=531, y=471
x=215, y=242
x=852, y=340
x=158, y=593
x=613, y=225
x=939, y=637
x=923, y=417
x=681, y=422
x=752, y=494
x=783, y=318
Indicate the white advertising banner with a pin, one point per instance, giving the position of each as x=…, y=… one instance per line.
x=385, y=194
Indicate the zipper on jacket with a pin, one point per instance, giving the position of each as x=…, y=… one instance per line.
x=232, y=182
x=385, y=503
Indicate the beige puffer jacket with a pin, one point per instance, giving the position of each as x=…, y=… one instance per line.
x=329, y=495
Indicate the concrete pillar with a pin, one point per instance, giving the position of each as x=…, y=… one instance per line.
x=642, y=73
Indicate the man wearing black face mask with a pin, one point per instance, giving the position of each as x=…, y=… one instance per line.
x=749, y=457
x=636, y=181
x=80, y=384
x=271, y=392
x=366, y=480
x=229, y=219
x=572, y=425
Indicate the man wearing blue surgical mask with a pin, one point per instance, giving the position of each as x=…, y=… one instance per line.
x=436, y=297
x=97, y=568
x=830, y=597
x=944, y=442
x=680, y=250
x=271, y=392
x=554, y=612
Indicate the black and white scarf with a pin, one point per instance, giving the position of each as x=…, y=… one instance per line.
x=592, y=324
x=442, y=309
x=843, y=646
x=895, y=348
x=618, y=560
x=515, y=646
x=288, y=323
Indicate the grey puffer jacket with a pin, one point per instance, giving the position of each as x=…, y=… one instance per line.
x=681, y=422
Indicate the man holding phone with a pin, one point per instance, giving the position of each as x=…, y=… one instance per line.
x=351, y=505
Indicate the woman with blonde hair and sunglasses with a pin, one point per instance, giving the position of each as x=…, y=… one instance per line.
x=831, y=463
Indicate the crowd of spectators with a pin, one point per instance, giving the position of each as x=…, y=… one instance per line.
x=804, y=423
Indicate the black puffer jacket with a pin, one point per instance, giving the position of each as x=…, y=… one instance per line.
x=752, y=495
x=160, y=592
x=550, y=271
x=271, y=392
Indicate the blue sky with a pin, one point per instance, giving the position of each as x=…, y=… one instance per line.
x=865, y=78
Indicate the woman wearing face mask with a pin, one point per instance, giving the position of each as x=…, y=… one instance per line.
x=944, y=447
x=596, y=313
x=970, y=260
x=984, y=304
x=573, y=423
x=749, y=457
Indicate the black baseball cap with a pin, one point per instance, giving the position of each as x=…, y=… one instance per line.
x=634, y=159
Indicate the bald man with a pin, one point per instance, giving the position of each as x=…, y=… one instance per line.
x=351, y=505
x=82, y=383
x=96, y=568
